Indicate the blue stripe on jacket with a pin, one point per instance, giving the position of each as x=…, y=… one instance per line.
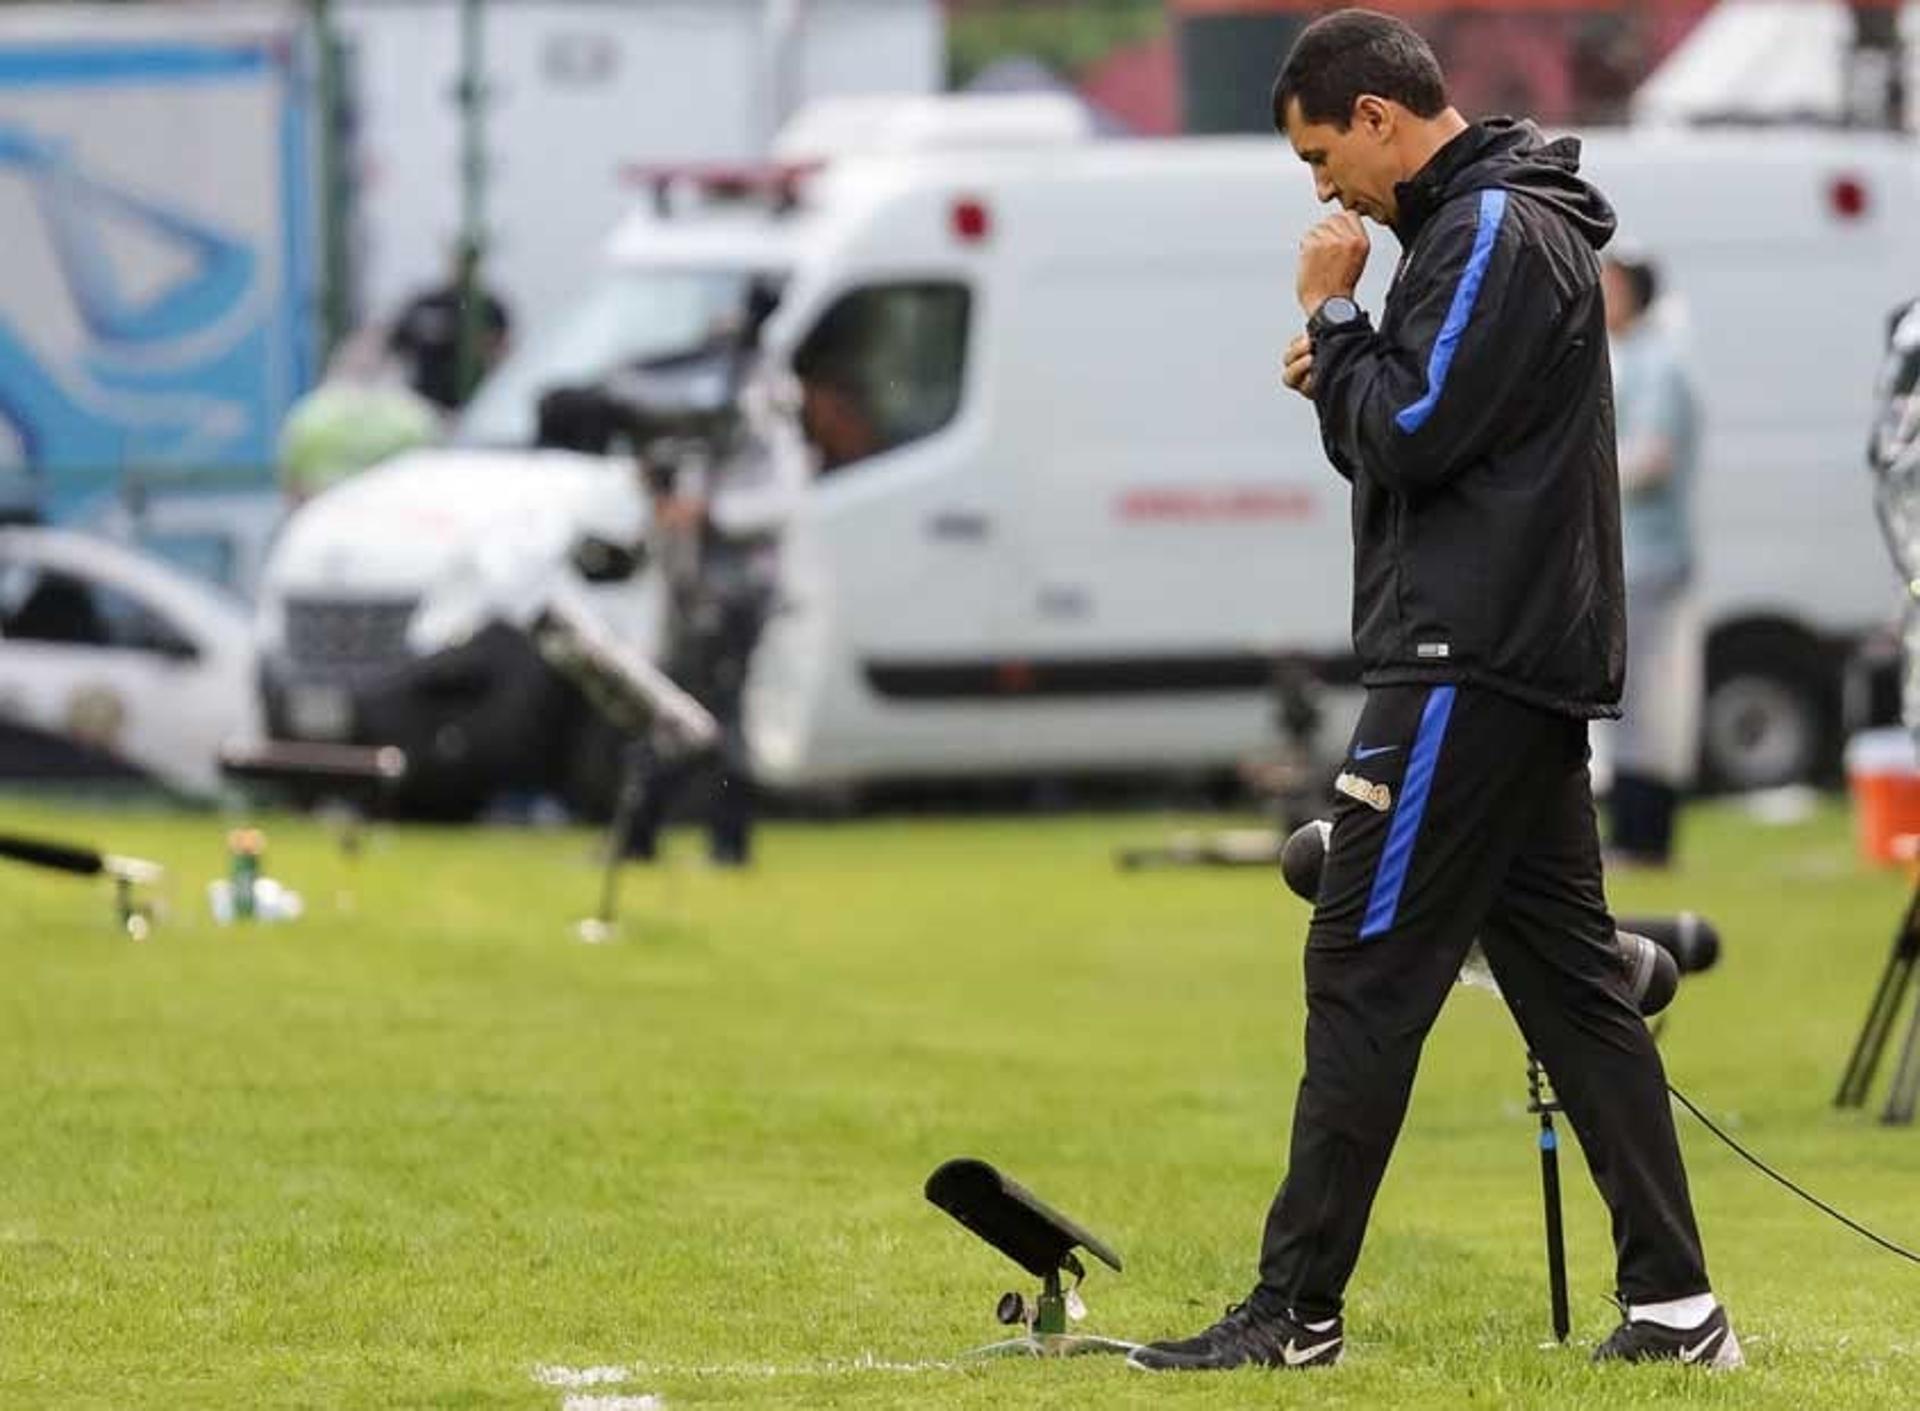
x=1383, y=903
x=1493, y=207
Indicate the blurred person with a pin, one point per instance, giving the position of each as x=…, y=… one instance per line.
x=717, y=519
x=719, y=575
x=1474, y=425
x=361, y=413
x=1657, y=427
x=1893, y=453
x=427, y=333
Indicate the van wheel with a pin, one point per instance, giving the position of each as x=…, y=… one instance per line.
x=1772, y=711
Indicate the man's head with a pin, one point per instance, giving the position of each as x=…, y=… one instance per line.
x=833, y=418
x=1628, y=284
x=833, y=401
x=1362, y=100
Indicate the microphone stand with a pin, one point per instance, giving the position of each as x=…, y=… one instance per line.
x=1541, y=1100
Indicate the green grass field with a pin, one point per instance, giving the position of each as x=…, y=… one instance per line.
x=423, y=1144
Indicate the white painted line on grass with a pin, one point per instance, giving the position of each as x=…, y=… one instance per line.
x=581, y=1376
x=830, y=1367
x=613, y=1403
x=615, y=1374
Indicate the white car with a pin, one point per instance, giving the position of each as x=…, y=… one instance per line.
x=111, y=662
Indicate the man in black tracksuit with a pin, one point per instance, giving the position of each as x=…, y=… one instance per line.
x=1475, y=423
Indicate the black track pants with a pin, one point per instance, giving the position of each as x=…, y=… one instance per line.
x=1465, y=813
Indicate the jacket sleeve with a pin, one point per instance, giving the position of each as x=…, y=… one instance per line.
x=1415, y=409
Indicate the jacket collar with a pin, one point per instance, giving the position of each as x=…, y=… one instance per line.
x=1420, y=195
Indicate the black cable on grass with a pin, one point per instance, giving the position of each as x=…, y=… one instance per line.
x=1810, y=1198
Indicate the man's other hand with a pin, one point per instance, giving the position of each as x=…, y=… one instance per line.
x=1333, y=256
x=1296, y=368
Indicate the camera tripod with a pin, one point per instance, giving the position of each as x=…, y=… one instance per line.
x=1888, y=999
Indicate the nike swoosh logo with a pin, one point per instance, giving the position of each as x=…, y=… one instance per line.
x=1361, y=752
x=1297, y=1356
x=1699, y=1349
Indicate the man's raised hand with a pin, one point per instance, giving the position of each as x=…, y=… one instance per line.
x=1333, y=256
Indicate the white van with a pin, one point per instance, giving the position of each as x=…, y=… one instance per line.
x=1083, y=516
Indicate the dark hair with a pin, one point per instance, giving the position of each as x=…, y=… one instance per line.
x=1348, y=53
x=828, y=356
x=1642, y=276
x=1644, y=279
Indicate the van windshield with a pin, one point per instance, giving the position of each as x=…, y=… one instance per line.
x=633, y=315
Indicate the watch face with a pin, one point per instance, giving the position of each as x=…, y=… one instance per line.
x=1339, y=309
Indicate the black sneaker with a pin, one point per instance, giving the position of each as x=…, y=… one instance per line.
x=1244, y=1338
x=1710, y=1344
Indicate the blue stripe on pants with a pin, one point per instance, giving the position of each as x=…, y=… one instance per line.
x=1384, y=901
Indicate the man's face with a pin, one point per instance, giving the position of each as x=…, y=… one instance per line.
x=1356, y=167
x=831, y=419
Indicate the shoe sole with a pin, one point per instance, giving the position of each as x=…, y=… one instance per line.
x=1332, y=1361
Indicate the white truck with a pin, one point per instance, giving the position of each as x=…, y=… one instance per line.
x=1083, y=516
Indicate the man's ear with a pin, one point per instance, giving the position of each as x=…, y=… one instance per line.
x=1374, y=116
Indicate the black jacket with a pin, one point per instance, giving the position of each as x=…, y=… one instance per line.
x=1476, y=425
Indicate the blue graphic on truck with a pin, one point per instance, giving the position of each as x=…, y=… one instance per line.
x=192, y=375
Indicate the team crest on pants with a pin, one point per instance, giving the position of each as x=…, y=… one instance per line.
x=1375, y=796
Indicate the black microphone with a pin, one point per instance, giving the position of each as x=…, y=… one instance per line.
x=1654, y=951
x=1303, y=857
x=82, y=862
x=37, y=852
x=1653, y=978
x=1687, y=936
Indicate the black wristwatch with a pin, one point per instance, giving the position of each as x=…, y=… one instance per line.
x=1337, y=312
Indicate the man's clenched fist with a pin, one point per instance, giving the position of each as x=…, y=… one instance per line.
x=1333, y=256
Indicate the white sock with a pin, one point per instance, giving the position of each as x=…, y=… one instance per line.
x=1681, y=1313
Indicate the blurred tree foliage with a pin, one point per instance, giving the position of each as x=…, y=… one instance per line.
x=1066, y=35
